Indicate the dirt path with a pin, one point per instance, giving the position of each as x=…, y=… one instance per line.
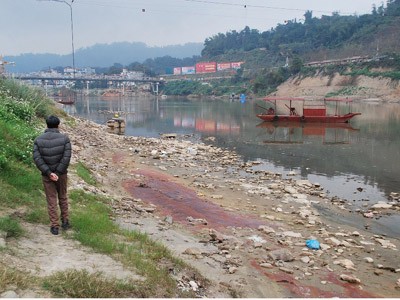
x=42, y=254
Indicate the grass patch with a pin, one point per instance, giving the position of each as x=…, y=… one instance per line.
x=94, y=231
x=20, y=185
x=37, y=214
x=81, y=284
x=16, y=140
x=11, y=227
x=347, y=91
x=9, y=276
x=22, y=178
x=84, y=173
x=92, y=225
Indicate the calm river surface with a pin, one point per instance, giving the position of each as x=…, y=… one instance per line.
x=359, y=162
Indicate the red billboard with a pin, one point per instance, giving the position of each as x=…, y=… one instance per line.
x=206, y=67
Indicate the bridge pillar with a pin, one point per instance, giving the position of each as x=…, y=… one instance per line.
x=155, y=88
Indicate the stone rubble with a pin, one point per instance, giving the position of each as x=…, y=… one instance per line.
x=350, y=279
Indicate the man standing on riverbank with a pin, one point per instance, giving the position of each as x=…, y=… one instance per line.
x=52, y=154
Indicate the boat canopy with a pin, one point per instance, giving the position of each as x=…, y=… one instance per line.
x=332, y=99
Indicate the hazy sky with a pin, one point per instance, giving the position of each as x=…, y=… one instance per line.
x=44, y=26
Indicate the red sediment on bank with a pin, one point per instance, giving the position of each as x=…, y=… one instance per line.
x=301, y=290
x=352, y=290
x=181, y=202
x=297, y=289
x=118, y=157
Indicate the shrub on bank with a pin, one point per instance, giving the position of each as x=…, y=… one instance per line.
x=23, y=96
x=19, y=107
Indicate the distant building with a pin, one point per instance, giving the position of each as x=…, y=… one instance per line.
x=50, y=73
x=132, y=74
x=69, y=71
x=87, y=71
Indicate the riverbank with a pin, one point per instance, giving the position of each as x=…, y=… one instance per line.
x=244, y=230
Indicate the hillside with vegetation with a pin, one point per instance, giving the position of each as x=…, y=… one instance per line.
x=316, y=34
x=273, y=56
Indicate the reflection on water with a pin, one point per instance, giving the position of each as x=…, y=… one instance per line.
x=299, y=133
x=356, y=161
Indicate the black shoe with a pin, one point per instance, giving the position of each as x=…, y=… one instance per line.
x=65, y=225
x=54, y=230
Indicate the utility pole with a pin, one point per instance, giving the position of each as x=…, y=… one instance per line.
x=72, y=30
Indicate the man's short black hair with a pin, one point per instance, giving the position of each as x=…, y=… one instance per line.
x=52, y=122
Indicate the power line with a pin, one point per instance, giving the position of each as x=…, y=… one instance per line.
x=146, y=9
x=254, y=6
x=108, y=4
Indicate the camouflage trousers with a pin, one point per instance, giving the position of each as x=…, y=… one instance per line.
x=56, y=193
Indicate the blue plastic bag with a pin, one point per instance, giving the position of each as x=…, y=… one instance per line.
x=312, y=244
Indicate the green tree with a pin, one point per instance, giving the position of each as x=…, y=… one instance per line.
x=115, y=69
x=297, y=64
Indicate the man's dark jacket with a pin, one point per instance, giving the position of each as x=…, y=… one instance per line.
x=52, y=152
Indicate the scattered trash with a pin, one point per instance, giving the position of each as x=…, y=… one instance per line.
x=312, y=244
x=257, y=239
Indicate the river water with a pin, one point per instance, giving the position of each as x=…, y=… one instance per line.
x=359, y=162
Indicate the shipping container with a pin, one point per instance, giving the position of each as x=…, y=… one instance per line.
x=206, y=67
x=223, y=66
x=189, y=70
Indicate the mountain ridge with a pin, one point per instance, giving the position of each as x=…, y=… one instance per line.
x=101, y=55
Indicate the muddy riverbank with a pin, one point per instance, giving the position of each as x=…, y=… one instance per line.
x=244, y=229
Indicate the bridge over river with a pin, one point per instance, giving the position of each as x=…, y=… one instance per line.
x=87, y=78
x=109, y=80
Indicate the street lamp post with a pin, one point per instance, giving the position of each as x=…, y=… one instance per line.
x=72, y=31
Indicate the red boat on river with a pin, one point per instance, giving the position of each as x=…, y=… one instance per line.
x=313, y=111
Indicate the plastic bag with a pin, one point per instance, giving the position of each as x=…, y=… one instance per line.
x=312, y=244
